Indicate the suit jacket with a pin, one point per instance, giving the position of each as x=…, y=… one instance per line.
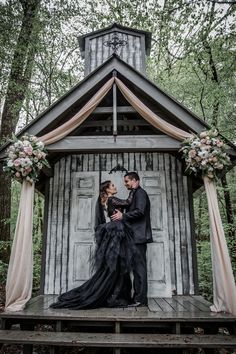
x=138, y=217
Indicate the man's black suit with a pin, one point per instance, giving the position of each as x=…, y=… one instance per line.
x=138, y=217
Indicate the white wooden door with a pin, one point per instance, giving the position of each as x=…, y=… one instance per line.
x=85, y=191
x=158, y=258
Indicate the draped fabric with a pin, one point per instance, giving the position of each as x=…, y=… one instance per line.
x=20, y=270
x=19, y=279
x=150, y=116
x=224, y=290
x=66, y=128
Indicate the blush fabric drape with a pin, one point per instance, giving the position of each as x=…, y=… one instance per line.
x=19, y=279
x=224, y=290
x=20, y=270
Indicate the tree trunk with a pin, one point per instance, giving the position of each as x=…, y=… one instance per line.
x=15, y=95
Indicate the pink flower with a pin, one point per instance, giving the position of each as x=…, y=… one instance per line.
x=17, y=162
x=17, y=174
x=28, y=150
x=219, y=143
x=192, y=153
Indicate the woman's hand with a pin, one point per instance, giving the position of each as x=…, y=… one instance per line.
x=117, y=216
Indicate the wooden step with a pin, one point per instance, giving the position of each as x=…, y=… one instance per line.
x=113, y=340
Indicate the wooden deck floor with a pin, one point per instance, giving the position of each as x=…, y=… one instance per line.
x=162, y=318
x=177, y=308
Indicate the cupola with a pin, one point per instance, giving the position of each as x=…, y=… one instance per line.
x=131, y=45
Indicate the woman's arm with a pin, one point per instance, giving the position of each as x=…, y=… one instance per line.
x=119, y=203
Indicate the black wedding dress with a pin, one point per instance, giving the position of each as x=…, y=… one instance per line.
x=110, y=285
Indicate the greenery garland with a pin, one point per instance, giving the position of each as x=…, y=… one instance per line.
x=205, y=154
x=26, y=158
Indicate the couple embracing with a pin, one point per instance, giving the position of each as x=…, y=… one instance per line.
x=122, y=231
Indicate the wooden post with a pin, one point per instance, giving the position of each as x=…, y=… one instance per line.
x=114, y=108
x=117, y=330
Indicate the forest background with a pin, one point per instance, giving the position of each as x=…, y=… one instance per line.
x=192, y=57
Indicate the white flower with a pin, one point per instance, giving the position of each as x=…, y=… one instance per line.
x=12, y=148
x=203, y=153
x=34, y=139
x=10, y=163
x=12, y=156
x=26, y=143
x=40, y=144
x=18, y=144
x=195, y=144
x=203, y=134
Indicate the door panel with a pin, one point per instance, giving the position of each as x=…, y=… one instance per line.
x=85, y=192
x=158, y=259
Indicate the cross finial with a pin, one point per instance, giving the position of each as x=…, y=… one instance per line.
x=115, y=43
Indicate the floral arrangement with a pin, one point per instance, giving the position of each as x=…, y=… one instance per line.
x=26, y=157
x=205, y=154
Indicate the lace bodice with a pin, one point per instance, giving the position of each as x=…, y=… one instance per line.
x=116, y=203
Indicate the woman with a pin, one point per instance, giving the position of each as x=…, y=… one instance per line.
x=110, y=286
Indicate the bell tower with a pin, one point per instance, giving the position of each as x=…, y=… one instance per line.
x=131, y=45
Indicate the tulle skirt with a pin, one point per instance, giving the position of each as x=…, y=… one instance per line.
x=110, y=285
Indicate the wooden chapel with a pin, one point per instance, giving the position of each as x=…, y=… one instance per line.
x=112, y=140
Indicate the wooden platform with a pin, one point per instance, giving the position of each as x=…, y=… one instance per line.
x=179, y=315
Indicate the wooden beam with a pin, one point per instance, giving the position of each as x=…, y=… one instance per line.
x=109, y=110
x=109, y=123
x=123, y=143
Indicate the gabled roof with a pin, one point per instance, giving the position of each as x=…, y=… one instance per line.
x=70, y=103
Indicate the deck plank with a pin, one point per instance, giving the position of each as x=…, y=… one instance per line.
x=177, y=306
x=115, y=340
x=153, y=306
x=184, y=301
x=164, y=305
x=198, y=304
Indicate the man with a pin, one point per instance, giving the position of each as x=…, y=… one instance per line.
x=138, y=217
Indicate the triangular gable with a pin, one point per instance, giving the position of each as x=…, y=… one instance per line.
x=72, y=101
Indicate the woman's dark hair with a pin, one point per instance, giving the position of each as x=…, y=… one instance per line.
x=132, y=175
x=102, y=190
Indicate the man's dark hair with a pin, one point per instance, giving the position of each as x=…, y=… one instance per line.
x=132, y=175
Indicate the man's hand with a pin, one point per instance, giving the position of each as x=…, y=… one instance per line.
x=117, y=216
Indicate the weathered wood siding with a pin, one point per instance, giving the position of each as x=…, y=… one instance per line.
x=181, y=242
x=133, y=53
